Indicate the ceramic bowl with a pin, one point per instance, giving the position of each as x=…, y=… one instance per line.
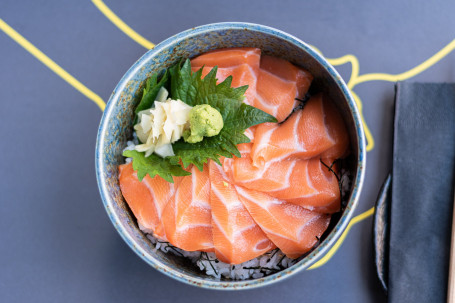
x=117, y=121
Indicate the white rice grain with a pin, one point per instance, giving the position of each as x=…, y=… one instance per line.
x=259, y=267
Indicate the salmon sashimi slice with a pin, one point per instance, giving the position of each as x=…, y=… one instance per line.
x=244, y=149
x=240, y=63
x=307, y=183
x=313, y=186
x=249, y=132
x=228, y=57
x=187, y=216
x=229, y=163
x=275, y=96
x=269, y=177
x=146, y=199
x=287, y=71
x=236, y=236
x=293, y=229
x=279, y=83
x=337, y=131
x=303, y=135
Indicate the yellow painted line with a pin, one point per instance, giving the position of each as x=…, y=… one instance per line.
x=354, y=65
x=122, y=25
x=351, y=83
x=410, y=73
x=343, y=60
x=51, y=64
x=357, y=79
x=340, y=241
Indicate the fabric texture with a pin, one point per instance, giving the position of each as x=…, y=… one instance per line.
x=422, y=192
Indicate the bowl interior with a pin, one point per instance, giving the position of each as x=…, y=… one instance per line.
x=116, y=128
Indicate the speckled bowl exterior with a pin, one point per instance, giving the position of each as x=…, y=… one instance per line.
x=117, y=125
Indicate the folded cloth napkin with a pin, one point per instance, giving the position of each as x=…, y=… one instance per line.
x=422, y=192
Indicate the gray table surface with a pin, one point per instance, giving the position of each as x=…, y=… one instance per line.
x=56, y=241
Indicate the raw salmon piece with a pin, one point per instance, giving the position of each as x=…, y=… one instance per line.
x=249, y=132
x=303, y=135
x=274, y=95
x=312, y=186
x=303, y=182
x=270, y=177
x=337, y=131
x=236, y=236
x=291, y=228
x=240, y=63
x=244, y=149
x=146, y=199
x=279, y=83
x=187, y=215
x=228, y=163
x=287, y=71
x=228, y=57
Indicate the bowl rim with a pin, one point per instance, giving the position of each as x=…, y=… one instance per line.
x=306, y=262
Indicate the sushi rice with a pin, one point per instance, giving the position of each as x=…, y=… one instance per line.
x=264, y=265
x=259, y=267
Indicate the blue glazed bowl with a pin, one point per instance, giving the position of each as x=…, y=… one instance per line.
x=117, y=125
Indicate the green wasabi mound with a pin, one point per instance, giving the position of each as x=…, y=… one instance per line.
x=205, y=121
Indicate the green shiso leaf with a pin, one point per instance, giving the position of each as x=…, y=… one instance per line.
x=152, y=87
x=194, y=90
x=154, y=165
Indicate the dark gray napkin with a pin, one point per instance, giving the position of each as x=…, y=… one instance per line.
x=422, y=192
